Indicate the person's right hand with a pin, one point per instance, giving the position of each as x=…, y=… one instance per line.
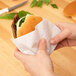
x=39, y=64
x=67, y=36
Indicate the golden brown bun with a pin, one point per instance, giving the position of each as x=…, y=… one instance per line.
x=74, y=18
x=29, y=25
x=70, y=9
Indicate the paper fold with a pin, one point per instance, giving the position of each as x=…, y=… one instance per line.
x=28, y=43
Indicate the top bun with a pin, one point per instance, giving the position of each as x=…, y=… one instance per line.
x=29, y=25
x=70, y=9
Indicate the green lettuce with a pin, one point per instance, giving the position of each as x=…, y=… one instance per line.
x=11, y=15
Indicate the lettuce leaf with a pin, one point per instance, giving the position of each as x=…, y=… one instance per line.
x=11, y=15
x=39, y=3
x=8, y=16
x=54, y=5
x=33, y=3
x=46, y=1
x=23, y=13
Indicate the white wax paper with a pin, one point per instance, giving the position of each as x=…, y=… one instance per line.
x=28, y=44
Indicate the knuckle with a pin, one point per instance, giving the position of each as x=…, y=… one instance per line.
x=56, y=39
x=41, y=52
x=69, y=31
x=15, y=53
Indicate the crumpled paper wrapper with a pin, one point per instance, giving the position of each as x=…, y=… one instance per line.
x=28, y=44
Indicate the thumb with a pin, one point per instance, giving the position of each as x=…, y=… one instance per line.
x=42, y=46
x=19, y=55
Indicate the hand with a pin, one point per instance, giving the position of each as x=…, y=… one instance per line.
x=39, y=64
x=67, y=36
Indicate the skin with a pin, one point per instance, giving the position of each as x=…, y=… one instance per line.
x=41, y=64
x=67, y=36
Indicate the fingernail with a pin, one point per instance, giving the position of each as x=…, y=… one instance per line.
x=52, y=41
x=43, y=40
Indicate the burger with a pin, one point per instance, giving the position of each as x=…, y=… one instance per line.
x=70, y=10
x=24, y=25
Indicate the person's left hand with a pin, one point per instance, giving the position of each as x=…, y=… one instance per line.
x=39, y=64
x=67, y=36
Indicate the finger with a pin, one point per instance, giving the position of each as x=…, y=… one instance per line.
x=61, y=36
x=42, y=45
x=72, y=42
x=60, y=26
x=19, y=55
x=59, y=46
